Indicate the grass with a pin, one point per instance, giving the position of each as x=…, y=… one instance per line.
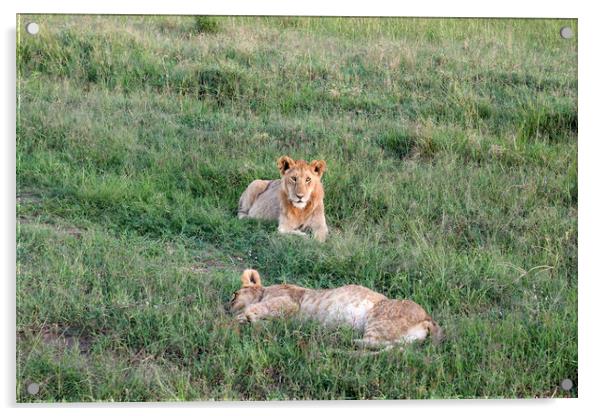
x=452, y=179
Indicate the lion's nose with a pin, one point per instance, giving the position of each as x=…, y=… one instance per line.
x=299, y=196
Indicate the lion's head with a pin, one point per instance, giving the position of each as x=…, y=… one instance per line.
x=300, y=179
x=250, y=292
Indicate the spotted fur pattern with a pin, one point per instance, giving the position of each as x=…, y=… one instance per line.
x=384, y=322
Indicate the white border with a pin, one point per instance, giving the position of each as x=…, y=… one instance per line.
x=507, y=8
x=589, y=188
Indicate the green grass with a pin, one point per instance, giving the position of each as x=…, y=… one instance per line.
x=452, y=180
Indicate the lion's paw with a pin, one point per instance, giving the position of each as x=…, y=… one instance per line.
x=246, y=317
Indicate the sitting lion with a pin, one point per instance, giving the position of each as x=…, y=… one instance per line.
x=384, y=322
x=295, y=200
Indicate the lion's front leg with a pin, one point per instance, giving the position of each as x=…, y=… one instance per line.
x=291, y=231
x=319, y=227
x=285, y=228
x=321, y=233
x=276, y=307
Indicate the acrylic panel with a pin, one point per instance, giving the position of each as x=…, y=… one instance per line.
x=431, y=160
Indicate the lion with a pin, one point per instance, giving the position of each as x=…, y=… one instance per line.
x=296, y=200
x=383, y=322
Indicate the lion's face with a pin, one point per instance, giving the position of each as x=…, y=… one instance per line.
x=243, y=298
x=250, y=292
x=300, y=179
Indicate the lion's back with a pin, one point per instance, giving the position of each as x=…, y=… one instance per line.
x=267, y=204
x=349, y=305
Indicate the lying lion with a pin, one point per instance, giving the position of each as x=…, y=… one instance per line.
x=384, y=322
x=295, y=200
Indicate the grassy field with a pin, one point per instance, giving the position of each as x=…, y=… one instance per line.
x=452, y=180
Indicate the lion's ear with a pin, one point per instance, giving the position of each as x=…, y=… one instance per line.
x=250, y=278
x=318, y=166
x=285, y=163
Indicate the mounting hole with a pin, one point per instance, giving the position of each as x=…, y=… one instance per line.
x=33, y=388
x=32, y=28
x=566, y=384
x=566, y=32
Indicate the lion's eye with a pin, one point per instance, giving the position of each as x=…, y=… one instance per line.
x=294, y=178
x=308, y=180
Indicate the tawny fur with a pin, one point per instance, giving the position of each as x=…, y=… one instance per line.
x=296, y=200
x=383, y=322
